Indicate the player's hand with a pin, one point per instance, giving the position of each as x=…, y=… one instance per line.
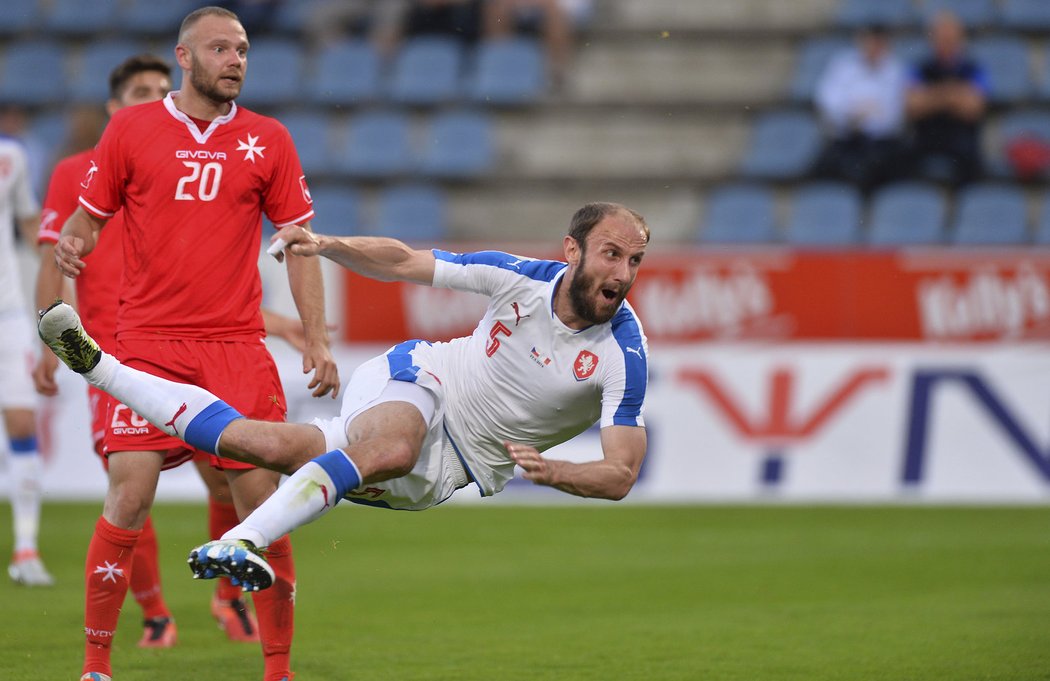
x=67, y=255
x=44, y=374
x=300, y=242
x=536, y=467
x=318, y=359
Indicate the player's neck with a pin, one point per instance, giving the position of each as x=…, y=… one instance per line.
x=194, y=105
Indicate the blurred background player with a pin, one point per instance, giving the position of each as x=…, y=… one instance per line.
x=192, y=202
x=17, y=401
x=139, y=79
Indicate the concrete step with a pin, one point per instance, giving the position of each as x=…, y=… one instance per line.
x=736, y=16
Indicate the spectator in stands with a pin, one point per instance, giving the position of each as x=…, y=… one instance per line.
x=395, y=20
x=860, y=98
x=555, y=20
x=946, y=101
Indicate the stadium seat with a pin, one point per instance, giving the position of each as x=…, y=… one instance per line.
x=853, y=14
x=783, y=144
x=825, y=214
x=458, y=145
x=1042, y=232
x=346, y=73
x=79, y=18
x=20, y=16
x=294, y=16
x=377, y=146
x=427, y=70
x=33, y=73
x=739, y=214
x=1026, y=15
x=89, y=75
x=337, y=208
x=811, y=62
x=990, y=214
x=972, y=13
x=412, y=212
x=311, y=132
x=911, y=49
x=1044, y=83
x=149, y=17
x=1014, y=127
x=509, y=71
x=1005, y=60
x=907, y=214
x=275, y=72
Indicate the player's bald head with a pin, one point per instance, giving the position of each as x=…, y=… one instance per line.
x=585, y=219
x=194, y=17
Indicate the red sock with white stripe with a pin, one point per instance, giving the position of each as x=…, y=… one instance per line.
x=106, y=578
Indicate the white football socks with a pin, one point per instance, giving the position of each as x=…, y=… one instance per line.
x=26, y=470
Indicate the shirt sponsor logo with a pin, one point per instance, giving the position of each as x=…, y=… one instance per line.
x=90, y=175
x=201, y=153
x=585, y=364
x=306, y=190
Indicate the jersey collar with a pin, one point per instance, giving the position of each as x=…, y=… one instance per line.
x=200, y=137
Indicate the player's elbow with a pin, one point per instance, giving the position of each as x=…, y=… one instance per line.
x=621, y=485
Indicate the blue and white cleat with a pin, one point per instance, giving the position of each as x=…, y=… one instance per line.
x=237, y=559
x=95, y=676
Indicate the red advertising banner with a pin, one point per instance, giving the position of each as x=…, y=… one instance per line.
x=774, y=294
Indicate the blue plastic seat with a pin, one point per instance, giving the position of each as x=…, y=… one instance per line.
x=990, y=214
x=1017, y=125
x=1026, y=15
x=972, y=13
x=33, y=73
x=1005, y=60
x=149, y=17
x=89, y=77
x=509, y=71
x=412, y=212
x=783, y=145
x=346, y=73
x=854, y=14
x=813, y=59
x=427, y=70
x=311, y=132
x=337, y=209
x=1042, y=231
x=79, y=18
x=907, y=214
x=911, y=49
x=825, y=214
x=458, y=145
x=739, y=214
x=378, y=145
x=20, y=16
x=275, y=73
x=1044, y=83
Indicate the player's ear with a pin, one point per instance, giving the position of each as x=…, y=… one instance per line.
x=182, y=56
x=572, y=250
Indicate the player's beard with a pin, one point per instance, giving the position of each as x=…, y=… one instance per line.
x=210, y=89
x=582, y=296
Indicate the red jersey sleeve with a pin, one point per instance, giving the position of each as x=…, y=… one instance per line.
x=102, y=187
x=61, y=198
x=287, y=200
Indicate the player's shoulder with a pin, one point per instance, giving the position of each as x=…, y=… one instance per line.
x=627, y=327
x=530, y=268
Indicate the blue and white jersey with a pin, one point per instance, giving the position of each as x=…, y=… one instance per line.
x=16, y=202
x=523, y=376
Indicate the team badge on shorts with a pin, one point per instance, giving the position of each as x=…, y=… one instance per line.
x=585, y=364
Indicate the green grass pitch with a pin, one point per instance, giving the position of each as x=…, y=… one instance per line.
x=593, y=591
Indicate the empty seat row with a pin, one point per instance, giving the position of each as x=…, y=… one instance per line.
x=78, y=18
x=411, y=211
x=832, y=214
x=1022, y=15
x=1012, y=77
x=425, y=71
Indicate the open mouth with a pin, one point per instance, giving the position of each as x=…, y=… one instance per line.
x=609, y=294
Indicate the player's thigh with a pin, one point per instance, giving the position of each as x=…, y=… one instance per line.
x=132, y=486
x=385, y=439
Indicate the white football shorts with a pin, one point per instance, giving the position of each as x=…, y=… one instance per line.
x=438, y=472
x=17, y=355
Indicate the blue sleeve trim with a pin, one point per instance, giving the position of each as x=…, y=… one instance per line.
x=628, y=334
x=539, y=270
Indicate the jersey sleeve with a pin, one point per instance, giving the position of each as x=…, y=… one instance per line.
x=102, y=185
x=487, y=272
x=287, y=200
x=59, y=203
x=623, y=390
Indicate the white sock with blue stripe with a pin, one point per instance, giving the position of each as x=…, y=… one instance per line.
x=25, y=470
x=308, y=494
x=190, y=413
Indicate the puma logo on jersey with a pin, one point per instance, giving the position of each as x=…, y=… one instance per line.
x=516, y=264
x=90, y=176
x=177, y=415
x=637, y=351
x=518, y=316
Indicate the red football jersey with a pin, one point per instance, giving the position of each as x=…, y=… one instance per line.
x=98, y=286
x=193, y=204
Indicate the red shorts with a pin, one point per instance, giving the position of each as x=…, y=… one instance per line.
x=242, y=374
x=98, y=405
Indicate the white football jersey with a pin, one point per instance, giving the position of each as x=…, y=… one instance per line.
x=16, y=202
x=523, y=376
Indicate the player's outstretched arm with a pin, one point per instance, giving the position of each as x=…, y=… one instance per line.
x=79, y=236
x=377, y=258
x=623, y=449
